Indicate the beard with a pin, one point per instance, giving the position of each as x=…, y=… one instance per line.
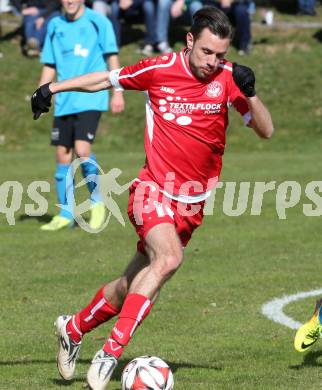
x=201, y=74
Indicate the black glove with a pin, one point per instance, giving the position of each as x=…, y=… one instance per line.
x=244, y=78
x=41, y=100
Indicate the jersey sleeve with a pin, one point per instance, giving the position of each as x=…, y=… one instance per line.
x=106, y=36
x=138, y=76
x=47, y=54
x=239, y=101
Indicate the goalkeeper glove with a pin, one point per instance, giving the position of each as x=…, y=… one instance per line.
x=41, y=100
x=244, y=78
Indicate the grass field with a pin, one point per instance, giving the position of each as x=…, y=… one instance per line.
x=207, y=324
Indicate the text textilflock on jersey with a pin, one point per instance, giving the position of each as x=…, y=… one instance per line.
x=186, y=119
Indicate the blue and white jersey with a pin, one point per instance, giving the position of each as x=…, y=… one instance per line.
x=75, y=48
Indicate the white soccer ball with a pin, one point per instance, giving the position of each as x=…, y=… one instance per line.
x=147, y=373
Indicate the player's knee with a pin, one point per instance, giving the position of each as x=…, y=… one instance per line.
x=82, y=152
x=167, y=265
x=64, y=156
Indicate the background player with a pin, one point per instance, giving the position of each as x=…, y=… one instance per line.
x=187, y=116
x=78, y=42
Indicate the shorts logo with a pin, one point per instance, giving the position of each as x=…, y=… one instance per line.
x=90, y=136
x=55, y=134
x=214, y=89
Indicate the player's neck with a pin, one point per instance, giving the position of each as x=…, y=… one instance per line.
x=186, y=56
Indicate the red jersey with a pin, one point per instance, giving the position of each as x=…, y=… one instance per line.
x=186, y=119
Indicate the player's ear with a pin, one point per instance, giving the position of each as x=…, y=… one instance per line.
x=189, y=38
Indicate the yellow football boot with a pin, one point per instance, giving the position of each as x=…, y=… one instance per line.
x=57, y=223
x=98, y=215
x=310, y=332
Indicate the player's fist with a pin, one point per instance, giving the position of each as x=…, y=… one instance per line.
x=41, y=100
x=244, y=78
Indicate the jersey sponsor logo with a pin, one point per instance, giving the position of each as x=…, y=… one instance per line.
x=79, y=51
x=167, y=89
x=179, y=110
x=184, y=108
x=214, y=89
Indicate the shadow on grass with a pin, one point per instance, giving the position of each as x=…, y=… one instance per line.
x=40, y=218
x=122, y=363
x=44, y=219
x=116, y=375
x=63, y=382
x=309, y=360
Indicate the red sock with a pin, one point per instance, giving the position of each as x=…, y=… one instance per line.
x=134, y=310
x=94, y=314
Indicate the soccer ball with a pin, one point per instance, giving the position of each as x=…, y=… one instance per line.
x=147, y=373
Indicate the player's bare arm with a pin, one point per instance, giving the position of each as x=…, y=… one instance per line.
x=261, y=122
x=48, y=75
x=117, y=100
x=91, y=82
x=261, y=118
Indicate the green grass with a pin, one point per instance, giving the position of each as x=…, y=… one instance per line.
x=207, y=323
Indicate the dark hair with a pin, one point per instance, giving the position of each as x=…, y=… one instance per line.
x=213, y=19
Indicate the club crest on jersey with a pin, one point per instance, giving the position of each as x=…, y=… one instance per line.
x=214, y=89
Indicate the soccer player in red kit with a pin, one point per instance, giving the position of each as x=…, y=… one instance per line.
x=188, y=95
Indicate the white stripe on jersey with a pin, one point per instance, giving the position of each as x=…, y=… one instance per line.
x=184, y=64
x=188, y=199
x=224, y=66
x=149, y=68
x=149, y=116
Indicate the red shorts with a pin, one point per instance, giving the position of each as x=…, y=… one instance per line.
x=148, y=208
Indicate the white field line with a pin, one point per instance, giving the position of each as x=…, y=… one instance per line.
x=273, y=310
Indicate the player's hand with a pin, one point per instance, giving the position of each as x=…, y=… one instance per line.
x=117, y=102
x=244, y=78
x=41, y=100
